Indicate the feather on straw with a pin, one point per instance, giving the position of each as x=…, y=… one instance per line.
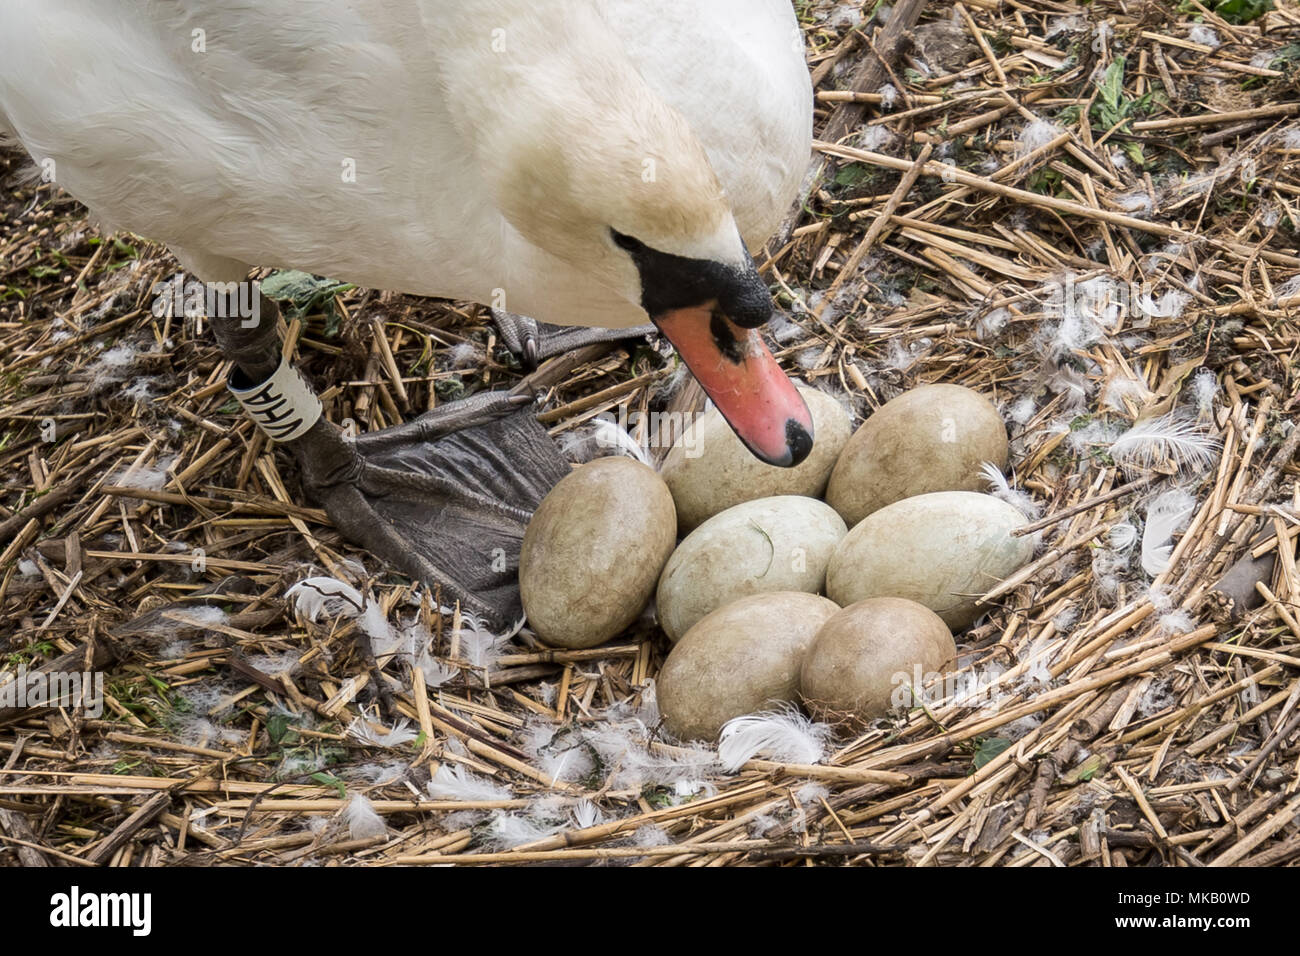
x=362, y=821
x=1158, y=441
x=786, y=736
x=456, y=783
x=1167, y=515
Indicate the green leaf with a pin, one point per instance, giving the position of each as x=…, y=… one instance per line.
x=1046, y=181
x=276, y=727
x=329, y=780
x=1086, y=770
x=158, y=685
x=658, y=799
x=852, y=174
x=449, y=389
x=988, y=749
x=1134, y=153
x=1286, y=56
x=1242, y=11
x=1111, y=90
x=301, y=293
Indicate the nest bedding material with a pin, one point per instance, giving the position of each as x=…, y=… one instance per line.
x=1089, y=213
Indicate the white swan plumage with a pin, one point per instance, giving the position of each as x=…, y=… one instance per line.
x=471, y=149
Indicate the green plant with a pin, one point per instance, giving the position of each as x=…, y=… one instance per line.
x=1242, y=11
x=987, y=749
x=301, y=294
x=1113, y=108
x=329, y=780
x=30, y=653
x=1045, y=181
x=852, y=174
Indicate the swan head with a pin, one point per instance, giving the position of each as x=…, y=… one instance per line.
x=623, y=192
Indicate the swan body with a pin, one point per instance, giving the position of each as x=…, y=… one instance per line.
x=471, y=149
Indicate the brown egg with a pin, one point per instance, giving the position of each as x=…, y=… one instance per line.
x=741, y=659
x=933, y=438
x=594, y=550
x=865, y=659
x=709, y=470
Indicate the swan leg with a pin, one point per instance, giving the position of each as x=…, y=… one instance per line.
x=472, y=412
x=444, y=498
x=451, y=512
x=532, y=341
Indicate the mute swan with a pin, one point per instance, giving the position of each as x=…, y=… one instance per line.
x=585, y=162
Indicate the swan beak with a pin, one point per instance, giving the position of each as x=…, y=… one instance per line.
x=744, y=381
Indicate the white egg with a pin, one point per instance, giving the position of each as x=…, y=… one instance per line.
x=772, y=544
x=710, y=470
x=941, y=550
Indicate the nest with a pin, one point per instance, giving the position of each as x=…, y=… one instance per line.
x=1089, y=213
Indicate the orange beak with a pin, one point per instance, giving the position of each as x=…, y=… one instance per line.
x=743, y=380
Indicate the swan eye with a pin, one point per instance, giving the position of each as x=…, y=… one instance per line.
x=627, y=242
